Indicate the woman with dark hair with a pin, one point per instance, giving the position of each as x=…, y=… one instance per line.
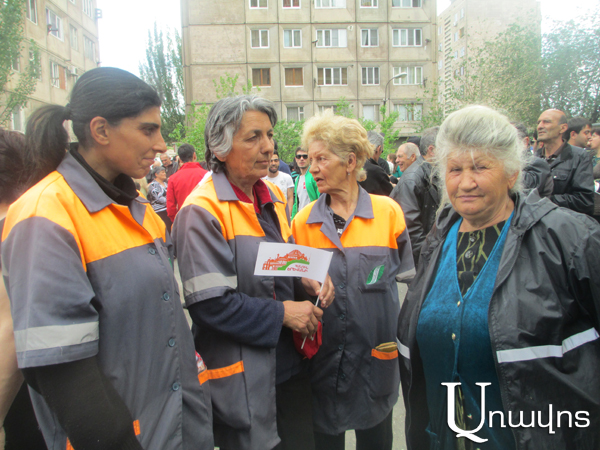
x=157, y=195
x=100, y=334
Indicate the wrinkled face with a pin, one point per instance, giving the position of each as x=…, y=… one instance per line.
x=549, y=126
x=161, y=176
x=477, y=185
x=133, y=145
x=166, y=161
x=302, y=159
x=403, y=161
x=252, y=148
x=582, y=138
x=595, y=141
x=329, y=170
x=274, y=164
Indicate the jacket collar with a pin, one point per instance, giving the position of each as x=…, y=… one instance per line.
x=321, y=213
x=565, y=153
x=225, y=192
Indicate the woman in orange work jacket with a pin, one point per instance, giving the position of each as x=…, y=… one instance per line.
x=355, y=374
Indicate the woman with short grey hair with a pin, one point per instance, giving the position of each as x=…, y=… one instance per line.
x=505, y=305
x=243, y=323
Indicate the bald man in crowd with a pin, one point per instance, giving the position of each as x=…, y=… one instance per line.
x=571, y=167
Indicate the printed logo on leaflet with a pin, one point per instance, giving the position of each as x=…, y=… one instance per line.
x=294, y=261
x=581, y=417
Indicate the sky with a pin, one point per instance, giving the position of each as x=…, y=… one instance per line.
x=124, y=25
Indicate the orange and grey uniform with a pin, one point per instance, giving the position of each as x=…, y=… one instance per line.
x=354, y=385
x=89, y=277
x=216, y=238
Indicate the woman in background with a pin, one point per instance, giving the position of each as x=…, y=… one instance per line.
x=157, y=195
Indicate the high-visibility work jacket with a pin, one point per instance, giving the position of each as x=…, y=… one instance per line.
x=217, y=237
x=355, y=386
x=89, y=277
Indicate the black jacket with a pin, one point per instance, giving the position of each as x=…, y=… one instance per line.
x=546, y=300
x=377, y=181
x=573, y=179
x=419, y=199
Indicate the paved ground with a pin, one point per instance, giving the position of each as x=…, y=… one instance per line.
x=399, y=413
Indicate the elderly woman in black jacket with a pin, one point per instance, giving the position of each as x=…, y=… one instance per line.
x=504, y=307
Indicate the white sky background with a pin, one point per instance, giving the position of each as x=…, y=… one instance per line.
x=125, y=23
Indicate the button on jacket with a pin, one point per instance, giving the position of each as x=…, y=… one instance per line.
x=543, y=316
x=354, y=385
x=217, y=237
x=89, y=277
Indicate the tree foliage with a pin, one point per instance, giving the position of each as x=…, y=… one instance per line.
x=288, y=134
x=13, y=96
x=571, y=64
x=163, y=70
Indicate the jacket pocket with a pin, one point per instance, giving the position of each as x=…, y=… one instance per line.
x=229, y=396
x=373, y=273
x=385, y=372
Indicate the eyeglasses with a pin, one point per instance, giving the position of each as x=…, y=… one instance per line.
x=301, y=156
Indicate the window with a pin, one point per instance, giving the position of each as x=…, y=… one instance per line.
x=461, y=32
x=73, y=36
x=260, y=38
x=462, y=70
x=258, y=3
x=261, y=77
x=295, y=113
x=440, y=64
x=54, y=24
x=370, y=37
x=406, y=3
x=462, y=13
x=55, y=74
x=332, y=38
x=456, y=36
x=406, y=37
x=456, y=54
x=330, y=3
x=455, y=18
x=323, y=108
x=370, y=112
x=18, y=124
x=462, y=51
x=291, y=3
x=32, y=10
x=88, y=8
x=440, y=47
x=368, y=3
x=409, y=113
x=16, y=63
x=414, y=75
x=439, y=30
x=292, y=38
x=293, y=76
x=370, y=75
x=89, y=48
x=34, y=59
x=330, y=76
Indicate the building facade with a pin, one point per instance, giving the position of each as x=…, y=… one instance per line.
x=65, y=33
x=467, y=24
x=305, y=55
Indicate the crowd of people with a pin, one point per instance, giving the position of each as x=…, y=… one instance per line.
x=494, y=232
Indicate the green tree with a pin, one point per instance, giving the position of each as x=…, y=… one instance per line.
x=288, y=134
x=15, y=90
x=571, y=62
x=386, y=127
x=163, y=69
x=504, y=73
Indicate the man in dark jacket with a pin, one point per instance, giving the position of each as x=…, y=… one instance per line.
x=571, y=167
x=417, y=194
x=377, y=182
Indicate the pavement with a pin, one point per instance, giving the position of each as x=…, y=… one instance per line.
x=399, y=413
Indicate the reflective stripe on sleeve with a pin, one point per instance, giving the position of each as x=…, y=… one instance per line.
x=404, y=351
x=42, y=338
x=208, y=281
x=546, y=351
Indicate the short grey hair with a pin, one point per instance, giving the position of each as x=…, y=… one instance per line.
x=409, y=149
x=479, y=129
x=224, y=121
x=375, y=138
x=427, y=139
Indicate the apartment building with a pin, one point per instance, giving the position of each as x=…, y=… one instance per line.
x=66, y=35
x=305, y=55
x=466, y=24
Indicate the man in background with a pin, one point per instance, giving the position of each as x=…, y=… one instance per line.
x=305, y=188
x=283, y=180
x=168, y=164
x=183, y=181
x=579, y=132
